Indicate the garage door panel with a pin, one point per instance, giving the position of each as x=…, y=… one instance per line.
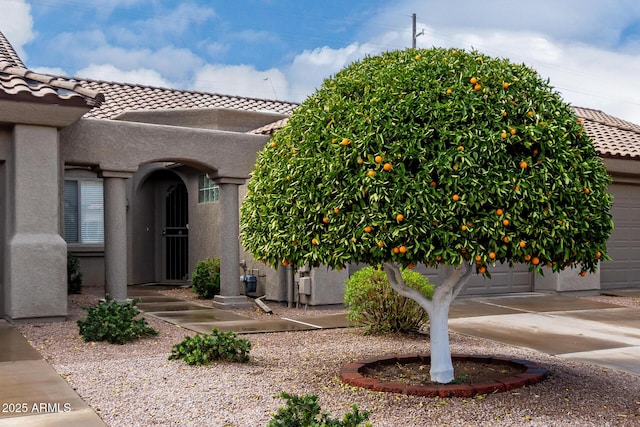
x=623, y=270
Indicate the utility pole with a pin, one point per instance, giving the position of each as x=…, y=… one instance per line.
x=414, y=36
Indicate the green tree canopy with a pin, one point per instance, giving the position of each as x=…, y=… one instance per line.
x=438, y=156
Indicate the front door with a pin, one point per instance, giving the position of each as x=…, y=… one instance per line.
x=175, y=233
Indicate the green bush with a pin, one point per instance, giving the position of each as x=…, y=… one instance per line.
x=113, y=322
x=204, y=349
x=372, y=303
x=304, y=411
x=74, y=276
x=206, y=278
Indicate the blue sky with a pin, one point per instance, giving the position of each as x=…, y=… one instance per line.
x=590, y=49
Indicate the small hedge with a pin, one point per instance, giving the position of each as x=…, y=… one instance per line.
x=113, y=322
x=372, y=303
x=204, y=349
x=206, y=278
x=304, y=411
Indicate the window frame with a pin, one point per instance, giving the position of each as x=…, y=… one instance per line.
x=81, y=214
x=208, y=190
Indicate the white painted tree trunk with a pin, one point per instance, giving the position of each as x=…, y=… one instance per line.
x=438, y=310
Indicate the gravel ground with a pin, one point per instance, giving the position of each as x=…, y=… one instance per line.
x=136, y=384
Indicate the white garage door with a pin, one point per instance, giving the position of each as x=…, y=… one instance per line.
x=623, y=271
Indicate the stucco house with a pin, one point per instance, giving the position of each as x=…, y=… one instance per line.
x=140, y=183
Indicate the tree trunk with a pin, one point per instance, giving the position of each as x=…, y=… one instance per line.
x=438, y=310
x=441, y=365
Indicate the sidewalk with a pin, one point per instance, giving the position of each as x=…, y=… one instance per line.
x=32, y=392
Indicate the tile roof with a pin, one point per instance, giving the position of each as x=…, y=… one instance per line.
x=120, y=97
x=612, y=137
x=17, y=83
x=8, y=54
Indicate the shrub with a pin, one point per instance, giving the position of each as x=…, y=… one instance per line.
x=74, y=276
x=304, y=411
x=113, y=322
x=204, y=349
x=206, y=278
x=372, y=303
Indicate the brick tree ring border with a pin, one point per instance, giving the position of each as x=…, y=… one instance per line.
x=532, y=373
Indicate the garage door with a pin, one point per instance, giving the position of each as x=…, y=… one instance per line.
x=503, y=280
x=623, y=271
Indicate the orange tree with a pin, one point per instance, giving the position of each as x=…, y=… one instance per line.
x=445, y=157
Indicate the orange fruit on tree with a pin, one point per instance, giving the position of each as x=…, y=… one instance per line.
x=463, y=228
x=512, y=131
x=380, y=243
x=504, y=114
x=410, y=266
x=505, y=222
x=598, y=255
x=587, y=191
x=499, y=212
x=294, y=243
x=523, y=165
x=336, y=211
x=439, y=258
x=378, y=159
x=535, y=261
x=473, y=80
x=492, y=255
x=387, y=166
x=285, y=263
x=367, y=229
x=478, y=258
x=402, y=249
x=527, y=257
x=583, y=273
x=314, y=241
x=505, y=239
x=478, y=86
x=455, y=197
x=530, y=113
x=360, y=161
x=396, y=250
x=273, y=145
x=371, y=174
x=503, y=135
x=432, y=184
x=522, y=243
x=482, y=269
x=345, y=142
x=505, y=85
x=579, y=120
x=325, y=220
x=399, y=217
x=449, y=91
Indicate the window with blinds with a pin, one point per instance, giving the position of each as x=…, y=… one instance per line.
x=83, y=212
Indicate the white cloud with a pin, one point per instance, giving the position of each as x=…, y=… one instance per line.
x=175, y=64
x=308, y=69
x=17, y=25
x=108, y=72
x=242, y=80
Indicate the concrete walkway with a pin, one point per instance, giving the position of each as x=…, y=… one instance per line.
x=33, y=394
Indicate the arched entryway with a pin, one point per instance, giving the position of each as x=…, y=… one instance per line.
x=175, y=233
x=160, y=229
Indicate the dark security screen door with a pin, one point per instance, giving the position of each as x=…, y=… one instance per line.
x=176, y=233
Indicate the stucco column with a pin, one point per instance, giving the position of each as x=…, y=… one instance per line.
x=115, y=234
x=35, y=270
x=230, y=245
